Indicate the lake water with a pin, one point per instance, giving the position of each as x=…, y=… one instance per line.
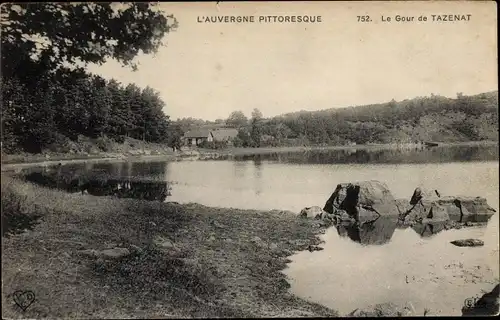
x=425, y=270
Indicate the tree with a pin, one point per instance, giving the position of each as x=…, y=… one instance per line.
x=243, y=138
x=45, y=95
x=256, y=127
x=40, y=37
x=120, y=111
x=236, y=119
x=175, y=137
x=256, y=114
x=154, y=121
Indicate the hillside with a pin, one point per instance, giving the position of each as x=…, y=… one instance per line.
x=435, y=118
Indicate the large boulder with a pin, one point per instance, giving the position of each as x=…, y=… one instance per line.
x=421, y=193
x=365, y=200
x=403, y=205
x=431, y=211
x=474, y=209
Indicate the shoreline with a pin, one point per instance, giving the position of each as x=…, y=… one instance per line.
x=36, y=160
x=223, y=262
x=220, y=244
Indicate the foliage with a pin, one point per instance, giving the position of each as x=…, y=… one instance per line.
x=236, y=119
x=466, y=128
x=257, y=114
x=466, y=118
x=16, y=217
x=216, y=145
x=256, y=128
x=175, y=137
x=49, y=35
x=243, y=138
x=401, y=121
x=45, y=95
x=187, y=124
x=88, y=106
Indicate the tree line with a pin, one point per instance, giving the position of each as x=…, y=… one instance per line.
x=47, y=95
x=405, y=121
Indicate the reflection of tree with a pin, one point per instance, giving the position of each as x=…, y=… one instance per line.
x=144, y=190
x=239, y=168
x=258, y=174
x=103, y=185
x=412, y=155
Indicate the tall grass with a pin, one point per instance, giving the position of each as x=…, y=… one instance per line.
x=18, y=214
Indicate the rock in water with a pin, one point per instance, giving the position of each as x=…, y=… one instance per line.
x=474, y=209
x=430, y=206
x=421, y=193
x=487, y=305
x=468, y=243
x=403, y=205
x=365, y=200
x=311, y=212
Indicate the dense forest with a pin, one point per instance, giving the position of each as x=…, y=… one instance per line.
x=47, y=96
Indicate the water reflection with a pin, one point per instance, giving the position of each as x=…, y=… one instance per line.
x=394, y=156
x=258, y=175
x=375, y=232
x=110, y=179
x=381, y=230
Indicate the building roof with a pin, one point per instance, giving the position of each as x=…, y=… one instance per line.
x=200, y=133
x=224, y=134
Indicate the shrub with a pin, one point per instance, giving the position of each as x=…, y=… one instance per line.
x=119, y=139
x=104, y=144
x=213, y=145
x=15, y=215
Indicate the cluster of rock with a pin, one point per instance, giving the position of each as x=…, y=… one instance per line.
x=369, y=200
x=114, y=251
x=427, y=205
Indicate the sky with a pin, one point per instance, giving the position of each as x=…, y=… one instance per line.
x=208, y=70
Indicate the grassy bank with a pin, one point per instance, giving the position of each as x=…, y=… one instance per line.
x=90, y=149
x=215, y=263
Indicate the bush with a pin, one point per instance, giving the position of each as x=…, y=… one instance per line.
x=237, y=142
x=15, y=216
x=104, y=144
x=119, y=138
x=61, y=144
x=213, y=145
